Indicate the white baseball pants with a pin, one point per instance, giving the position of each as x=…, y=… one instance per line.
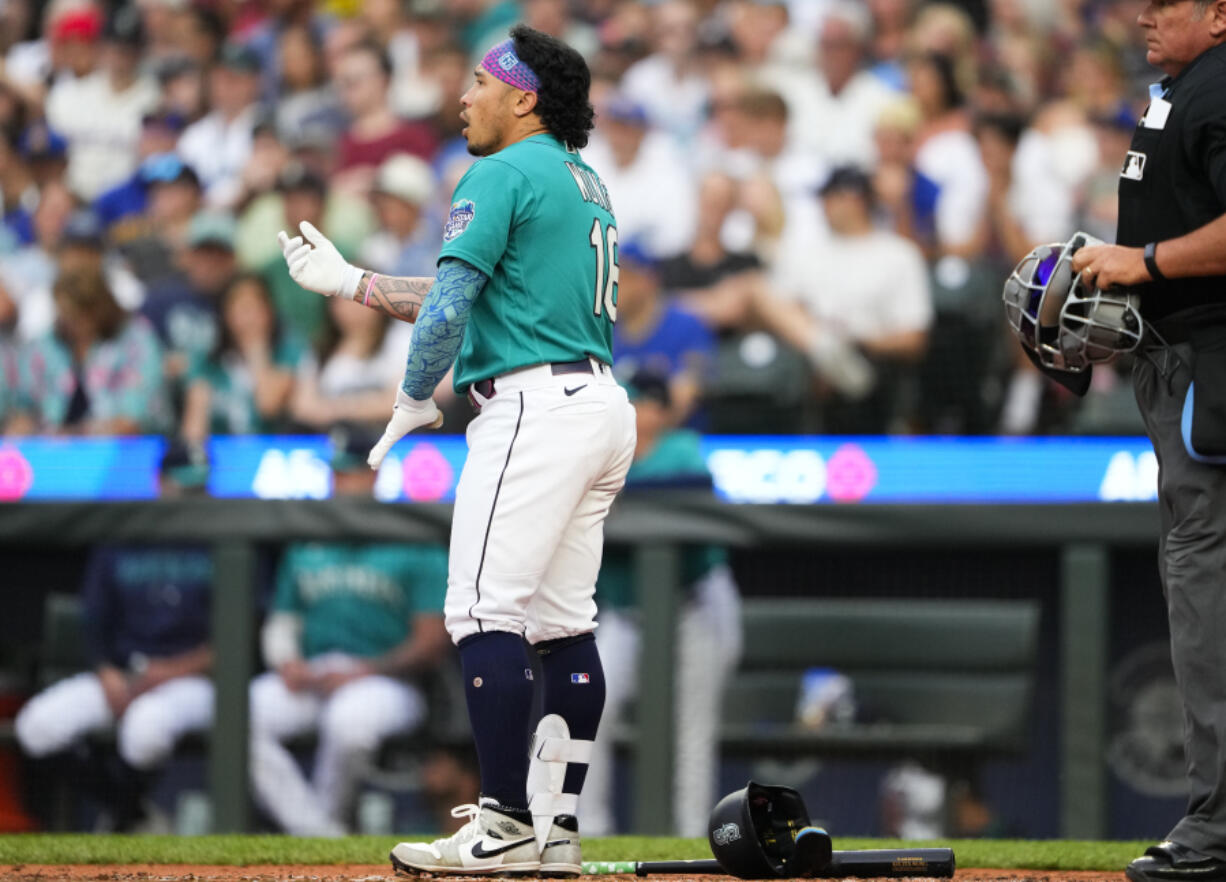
x=54, y=719
x=546, y=456
x=352, y=722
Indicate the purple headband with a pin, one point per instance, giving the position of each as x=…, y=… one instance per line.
x=502, y=62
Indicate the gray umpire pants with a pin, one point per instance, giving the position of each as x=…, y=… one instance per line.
x=1192, y=565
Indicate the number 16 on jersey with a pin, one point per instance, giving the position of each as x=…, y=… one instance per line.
x=604, y=242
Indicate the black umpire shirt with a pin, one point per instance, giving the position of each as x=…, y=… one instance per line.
x=1174, y=177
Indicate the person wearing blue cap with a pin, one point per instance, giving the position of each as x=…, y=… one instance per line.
x=654, y=333
x=648, y=177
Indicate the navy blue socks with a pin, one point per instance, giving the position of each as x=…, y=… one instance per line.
x=498, y=687
x=574, y=689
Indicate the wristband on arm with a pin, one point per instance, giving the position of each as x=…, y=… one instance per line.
x=1151, y=264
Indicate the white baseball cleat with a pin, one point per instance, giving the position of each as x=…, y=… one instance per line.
x=492, y=843
x=562, y=855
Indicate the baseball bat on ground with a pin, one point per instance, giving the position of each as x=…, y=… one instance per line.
x=869, y=863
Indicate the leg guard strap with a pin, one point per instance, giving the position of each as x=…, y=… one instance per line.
x=552, y=749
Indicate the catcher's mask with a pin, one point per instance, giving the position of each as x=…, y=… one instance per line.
x=753, y=830
x=1067, y=324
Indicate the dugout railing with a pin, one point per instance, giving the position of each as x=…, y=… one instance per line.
x=656, y=526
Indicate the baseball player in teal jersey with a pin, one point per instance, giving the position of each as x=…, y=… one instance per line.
x=523, y=304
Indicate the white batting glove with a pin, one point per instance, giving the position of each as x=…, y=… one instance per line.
x=407, y=415
x=316, y=265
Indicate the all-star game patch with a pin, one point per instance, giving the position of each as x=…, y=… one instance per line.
x=459, y=218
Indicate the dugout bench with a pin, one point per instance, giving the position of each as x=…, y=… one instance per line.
x=947, y=683
x=932, y=678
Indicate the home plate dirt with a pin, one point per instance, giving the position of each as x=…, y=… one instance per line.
x=383, y=873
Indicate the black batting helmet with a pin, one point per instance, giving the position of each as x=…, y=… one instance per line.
x=753, y=830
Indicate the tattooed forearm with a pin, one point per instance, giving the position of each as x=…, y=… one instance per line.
x=438, y=333
x=400, y=297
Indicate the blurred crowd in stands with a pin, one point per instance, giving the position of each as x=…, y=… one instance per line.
x=817, y=201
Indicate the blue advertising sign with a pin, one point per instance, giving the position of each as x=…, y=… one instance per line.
x=761, y=469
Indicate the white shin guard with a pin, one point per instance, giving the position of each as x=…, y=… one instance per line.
x=552, y=749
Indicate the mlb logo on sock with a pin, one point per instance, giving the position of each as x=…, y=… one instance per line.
x=580, y=678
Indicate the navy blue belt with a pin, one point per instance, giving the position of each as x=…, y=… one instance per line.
x=485, y=388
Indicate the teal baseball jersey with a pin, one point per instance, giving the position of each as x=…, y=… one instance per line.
x=537, y=220
x=359, y=598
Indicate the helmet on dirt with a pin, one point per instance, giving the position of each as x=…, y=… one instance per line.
x=752, y=831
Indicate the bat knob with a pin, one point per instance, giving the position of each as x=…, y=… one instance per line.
x=811, y=854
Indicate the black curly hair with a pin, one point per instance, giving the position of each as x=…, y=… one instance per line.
x=562, y=101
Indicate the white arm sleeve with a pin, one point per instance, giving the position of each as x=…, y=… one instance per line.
x=281, y=638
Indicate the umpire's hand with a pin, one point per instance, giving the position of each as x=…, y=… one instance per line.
x=1103, y=266
x=315, y=264
x=408, y=414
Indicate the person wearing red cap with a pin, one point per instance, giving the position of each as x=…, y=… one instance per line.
x=100, y=114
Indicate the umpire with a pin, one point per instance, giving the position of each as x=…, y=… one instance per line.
x=1172, y=249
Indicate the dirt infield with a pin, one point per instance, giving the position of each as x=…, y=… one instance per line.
x=383, y=873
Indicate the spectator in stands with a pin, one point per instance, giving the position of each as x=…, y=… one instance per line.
x=65, y=48
x=862, y=316
x=83, y=246
x=398, y=30
x=97, y=372
x=777, y=178
x=835, y=105
x=764, y=43
x=184, y=90
x=269, y=157
x=29, y=272
x=447, y=69
x=244, y=384
x=45, y=152
x=305, y=101
x=152, y=240
x=100, y=114
x=121, y=208
x=408, y=239
x=145, y=616
x=669, y=83
x=481, y=23
x=653, y=333
x=647, y=177
x=554, y=17
x=947, y=155
x=906, y=197
x=709, y=278
x=18, y=190
x=302, y=195
x=1036, y=175
x=363, y=77
x=353, y=371
x=183, y=307
x=708, y=629
x=196, y=32
x=352, y=625
x=219, y=145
